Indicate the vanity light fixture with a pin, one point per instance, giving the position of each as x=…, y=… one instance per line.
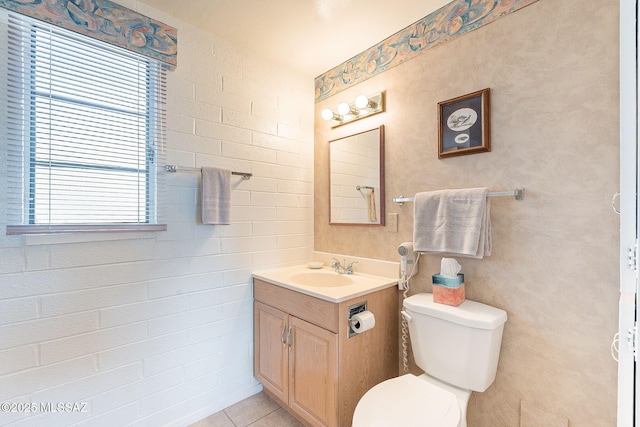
x=362, y=107
x=328, y=114
x=363, y=101
x=344, y=109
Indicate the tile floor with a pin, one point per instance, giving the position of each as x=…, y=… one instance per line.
x=256, y=411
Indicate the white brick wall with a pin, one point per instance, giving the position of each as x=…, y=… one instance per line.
x=156, y=329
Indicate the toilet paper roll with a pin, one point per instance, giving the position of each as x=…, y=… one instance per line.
x=362, y=321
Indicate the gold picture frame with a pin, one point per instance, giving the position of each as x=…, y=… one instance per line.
x=464, y=125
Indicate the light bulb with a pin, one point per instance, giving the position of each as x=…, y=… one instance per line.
x=327, y=114
x=344, y=108
x=362, y=101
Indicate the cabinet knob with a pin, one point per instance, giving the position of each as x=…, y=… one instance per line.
x=290, y=337
x=283, y=336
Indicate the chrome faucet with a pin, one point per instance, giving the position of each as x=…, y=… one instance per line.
x=340, y=268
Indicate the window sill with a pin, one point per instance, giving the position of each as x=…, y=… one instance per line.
x=13, y=230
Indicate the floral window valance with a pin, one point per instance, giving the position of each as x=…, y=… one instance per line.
x=106, y=21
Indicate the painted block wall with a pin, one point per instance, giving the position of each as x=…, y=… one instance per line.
x=156, y=328
x=553, y=69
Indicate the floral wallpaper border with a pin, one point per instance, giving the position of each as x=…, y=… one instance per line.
x=447, y=23
x=106, y=21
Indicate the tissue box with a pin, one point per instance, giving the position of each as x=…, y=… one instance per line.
x=448, y=290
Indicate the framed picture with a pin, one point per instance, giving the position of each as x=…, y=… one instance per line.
x=464, y=125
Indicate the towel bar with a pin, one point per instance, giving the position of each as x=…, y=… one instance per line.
x=175, y=168
x=518, y=193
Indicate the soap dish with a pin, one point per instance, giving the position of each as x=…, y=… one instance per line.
x=315, y=264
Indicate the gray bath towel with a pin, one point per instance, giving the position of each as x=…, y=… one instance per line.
x=453, y=222
x=216, y=196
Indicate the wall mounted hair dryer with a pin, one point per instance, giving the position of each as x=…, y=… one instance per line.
x=407, y=259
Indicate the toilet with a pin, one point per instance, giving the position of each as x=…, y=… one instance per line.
x=458, y=349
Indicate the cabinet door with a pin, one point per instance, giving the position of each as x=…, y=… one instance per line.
x=271, y=350
x=313, y=373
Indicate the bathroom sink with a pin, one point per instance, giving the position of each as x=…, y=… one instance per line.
x=324, y=283
x=323, y=280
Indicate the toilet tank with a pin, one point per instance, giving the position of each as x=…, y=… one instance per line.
x=458, y=345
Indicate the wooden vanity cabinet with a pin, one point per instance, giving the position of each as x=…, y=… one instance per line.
x=296, y=362
x=305, y=360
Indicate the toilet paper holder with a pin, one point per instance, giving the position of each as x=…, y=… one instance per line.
x=352, y=310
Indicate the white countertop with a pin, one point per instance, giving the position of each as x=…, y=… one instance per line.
x=362, y=284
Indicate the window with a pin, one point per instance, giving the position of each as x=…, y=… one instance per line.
x=85, y=130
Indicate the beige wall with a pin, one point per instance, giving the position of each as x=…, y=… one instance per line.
x=553, y=72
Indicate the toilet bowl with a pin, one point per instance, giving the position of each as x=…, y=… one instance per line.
x=412, y=401
x=457, y=347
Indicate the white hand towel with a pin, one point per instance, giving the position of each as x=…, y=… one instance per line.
x=453, y=222
x=371, y=203
x=216, y=196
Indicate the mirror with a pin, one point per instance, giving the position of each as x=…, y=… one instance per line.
x=356, y=179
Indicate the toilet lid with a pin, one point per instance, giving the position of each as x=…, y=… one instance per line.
x=407, y=401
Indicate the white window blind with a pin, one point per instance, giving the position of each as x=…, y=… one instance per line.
x=86, y=127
